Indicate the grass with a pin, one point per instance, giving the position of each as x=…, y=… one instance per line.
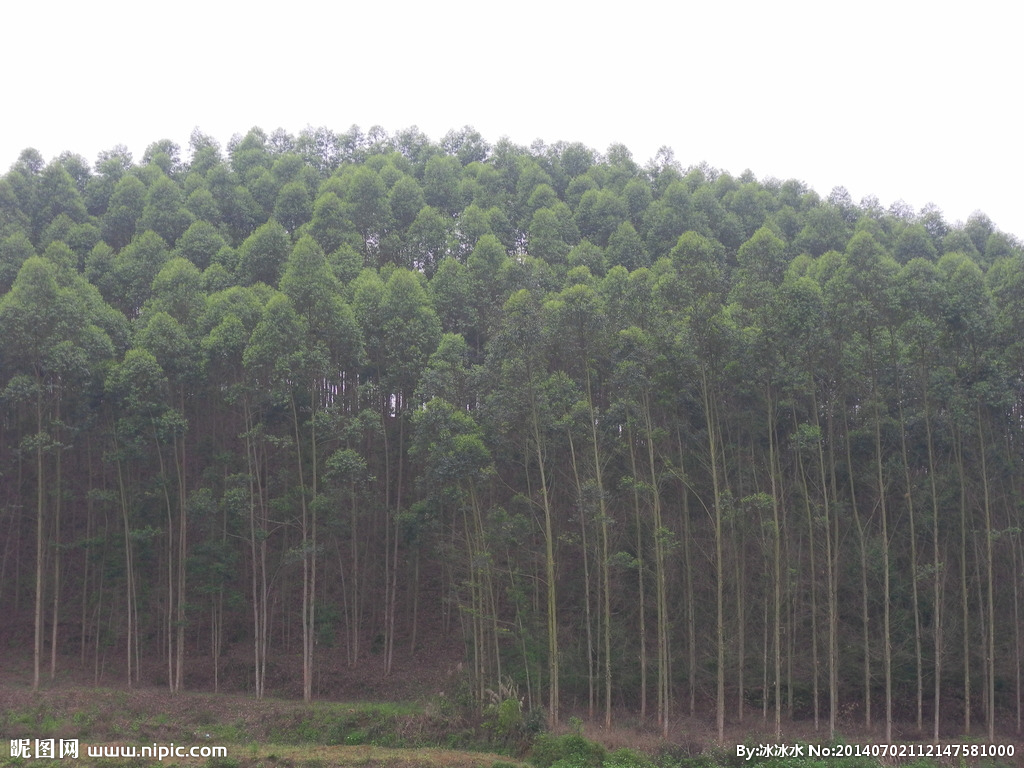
x=290, y=734
x=299, y=756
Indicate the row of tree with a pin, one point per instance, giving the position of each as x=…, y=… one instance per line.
x=643, y=437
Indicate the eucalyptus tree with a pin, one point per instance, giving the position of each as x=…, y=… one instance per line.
x=13, y=220
x=761, y=269
x=914, y=243
x=137, y=394
x=626, y=248
x=409, y=332
x=640, y=356
x=449, y=446
x=169, y=332
x=262, y=255
x=331, y=225
x=666, y=219
x=366, y=205
x=164, y=211
x=177, y=355
x=133, y=270
x=441, y=184
x=274, y=359
x=798, y=316
x=552, y=233
x=201, y=204
x=346, y=492
x=452, y=294
x=599, y=215
x=15, y=250
x=577, y=320
x=249, y=153
x=862, y=294
x=1005, y=282
x=695, y=286
x=164, y=155
x=526, y=406
x=200, y=244
x=969, y=329
x=427, y=241
x=487, y=261
x=920, y=282
x=57, y=195
x=228, y=320
x=824, y=230
x=405, y=199
x=111, y=165
x=121, y=217
x=307, y=346
x=53, y=345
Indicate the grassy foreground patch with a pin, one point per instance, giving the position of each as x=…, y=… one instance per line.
x=298, y=756
x=288, y=734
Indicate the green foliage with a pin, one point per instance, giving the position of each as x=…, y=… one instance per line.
x=164, y=211
x=566, y=751
x=627, y=758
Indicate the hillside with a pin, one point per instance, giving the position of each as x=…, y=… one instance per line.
x=305, y=414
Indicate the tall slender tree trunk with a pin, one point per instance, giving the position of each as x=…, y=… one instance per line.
x=181, y=463
x=776, y=564
x=990, y=649
x=169, y=613
x=661, y=599
x=741, y=619
x=129, y=566
x=605, y=557
x=831, y=568
x=918, y=651
x=389, y=653
x=642, y=608
x=937, y=572
x=58, y=493
x=886, y=590
x=719, y=557
x=1016, y=631
x=812, y=545
x=258, y=553
x=308, y=595
x=40, y=527
x=549, y=572
x=964, y=600
x=865, y=614
x=585, y=552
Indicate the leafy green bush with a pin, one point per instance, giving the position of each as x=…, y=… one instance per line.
x=505, y=719
x=568, y=751
x=627, y=758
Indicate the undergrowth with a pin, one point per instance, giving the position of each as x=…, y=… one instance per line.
x=504, y=728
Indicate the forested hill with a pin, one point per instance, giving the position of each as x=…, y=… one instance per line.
x=641, y=438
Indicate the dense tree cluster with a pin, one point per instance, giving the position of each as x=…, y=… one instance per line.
x=640, y=437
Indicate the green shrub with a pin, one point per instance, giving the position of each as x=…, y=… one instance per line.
x=627, y=758
x=568, y=751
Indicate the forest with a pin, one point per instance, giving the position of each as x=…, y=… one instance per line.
x=644, y=439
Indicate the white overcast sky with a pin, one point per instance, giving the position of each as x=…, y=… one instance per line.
x=919, y=101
